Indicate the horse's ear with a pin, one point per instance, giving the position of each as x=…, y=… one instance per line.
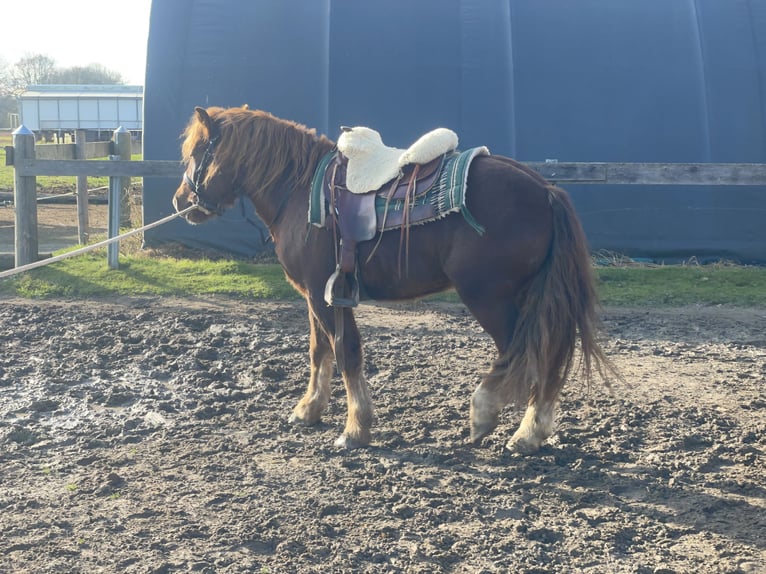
x=245, y=107
x=204, y=118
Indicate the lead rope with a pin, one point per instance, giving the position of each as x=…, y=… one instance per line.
x=104, y=243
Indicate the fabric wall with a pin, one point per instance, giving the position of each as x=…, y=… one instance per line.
x=593, y=80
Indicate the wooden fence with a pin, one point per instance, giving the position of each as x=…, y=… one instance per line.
x=29, y=162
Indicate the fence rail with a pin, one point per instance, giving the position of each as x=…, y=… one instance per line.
x=557, y=172
x=29, y=162
x=96, y=168
x=653, y=173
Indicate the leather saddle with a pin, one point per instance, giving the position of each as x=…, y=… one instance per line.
x=355, y=217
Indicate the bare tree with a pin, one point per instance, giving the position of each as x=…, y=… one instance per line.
x=36, y=69
x=6, y=78
x=91, y=74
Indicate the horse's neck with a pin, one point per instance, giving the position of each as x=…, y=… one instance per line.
x=270, y=196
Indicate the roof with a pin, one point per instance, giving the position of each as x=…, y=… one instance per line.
x=54, y=91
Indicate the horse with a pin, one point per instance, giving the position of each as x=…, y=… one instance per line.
x=526, y=276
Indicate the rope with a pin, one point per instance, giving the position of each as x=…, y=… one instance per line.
x=104, y=243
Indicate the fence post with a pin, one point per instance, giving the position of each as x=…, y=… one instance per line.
x=122, y=148
x=83, y=223
x=113, y=223
x=25, y=200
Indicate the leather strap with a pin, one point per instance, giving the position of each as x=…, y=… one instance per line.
x=340, y=355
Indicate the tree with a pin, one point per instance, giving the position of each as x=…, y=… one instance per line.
x=41, y=69
x=7, y=107
x=5, y=78
x=37, y=69
x=7, y=99
x=91, y=74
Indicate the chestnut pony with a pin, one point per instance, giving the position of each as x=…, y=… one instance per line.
x=527, y=279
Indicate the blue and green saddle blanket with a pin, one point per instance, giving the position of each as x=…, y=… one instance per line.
x=445, y=195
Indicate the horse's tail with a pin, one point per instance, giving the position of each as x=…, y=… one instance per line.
x=558, y=310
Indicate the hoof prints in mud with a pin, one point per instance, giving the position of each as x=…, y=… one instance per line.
x=152, y=436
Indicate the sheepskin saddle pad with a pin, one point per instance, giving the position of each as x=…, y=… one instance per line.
x=371, y=163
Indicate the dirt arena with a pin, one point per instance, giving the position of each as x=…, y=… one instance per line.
x=151, y=435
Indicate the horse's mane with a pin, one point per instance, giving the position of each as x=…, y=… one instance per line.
x=258, y=145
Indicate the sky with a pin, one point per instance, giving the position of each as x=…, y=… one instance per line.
x=78, y=33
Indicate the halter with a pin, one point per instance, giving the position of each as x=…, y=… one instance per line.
x=204, y=204
x=210, y=207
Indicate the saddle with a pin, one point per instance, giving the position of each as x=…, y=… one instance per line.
x=364, y=172
x=356, y=217
x=364, y=187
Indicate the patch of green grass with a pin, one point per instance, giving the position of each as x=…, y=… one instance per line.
x=139, y=274
x=677, y=285
x=89, y=276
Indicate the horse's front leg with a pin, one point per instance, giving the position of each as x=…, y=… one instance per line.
x=360, y=410
x=310, y=408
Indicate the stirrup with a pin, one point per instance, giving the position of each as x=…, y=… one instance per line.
x=335, y=290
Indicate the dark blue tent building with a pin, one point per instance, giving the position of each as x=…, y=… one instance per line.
x=592, y=80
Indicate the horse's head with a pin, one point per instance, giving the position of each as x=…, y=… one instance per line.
x=207, y=183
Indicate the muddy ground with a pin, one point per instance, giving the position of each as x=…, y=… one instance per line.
x=151, y=435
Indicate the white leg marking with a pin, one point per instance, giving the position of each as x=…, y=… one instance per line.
x=484, y=413
x=535, y=427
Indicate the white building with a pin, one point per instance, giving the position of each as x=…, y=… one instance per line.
x=58, y=109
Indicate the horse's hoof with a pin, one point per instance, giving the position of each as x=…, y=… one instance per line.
x=523, y=445
x=346, y=442
x=297, y=420
x=305, y=416
x=478, y=432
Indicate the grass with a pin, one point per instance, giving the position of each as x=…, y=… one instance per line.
x=678, y=285
x=152, y=274
x=139, y=275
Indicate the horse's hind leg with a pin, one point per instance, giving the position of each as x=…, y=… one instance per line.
x=498, y=319
x=309, y=410
x=535, y=427
x=493, y=394
x=508, y=381
x=486, y=403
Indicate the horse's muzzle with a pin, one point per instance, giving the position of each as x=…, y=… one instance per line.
x=182, y=201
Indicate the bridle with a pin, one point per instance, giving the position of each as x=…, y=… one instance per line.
x=201, y=201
